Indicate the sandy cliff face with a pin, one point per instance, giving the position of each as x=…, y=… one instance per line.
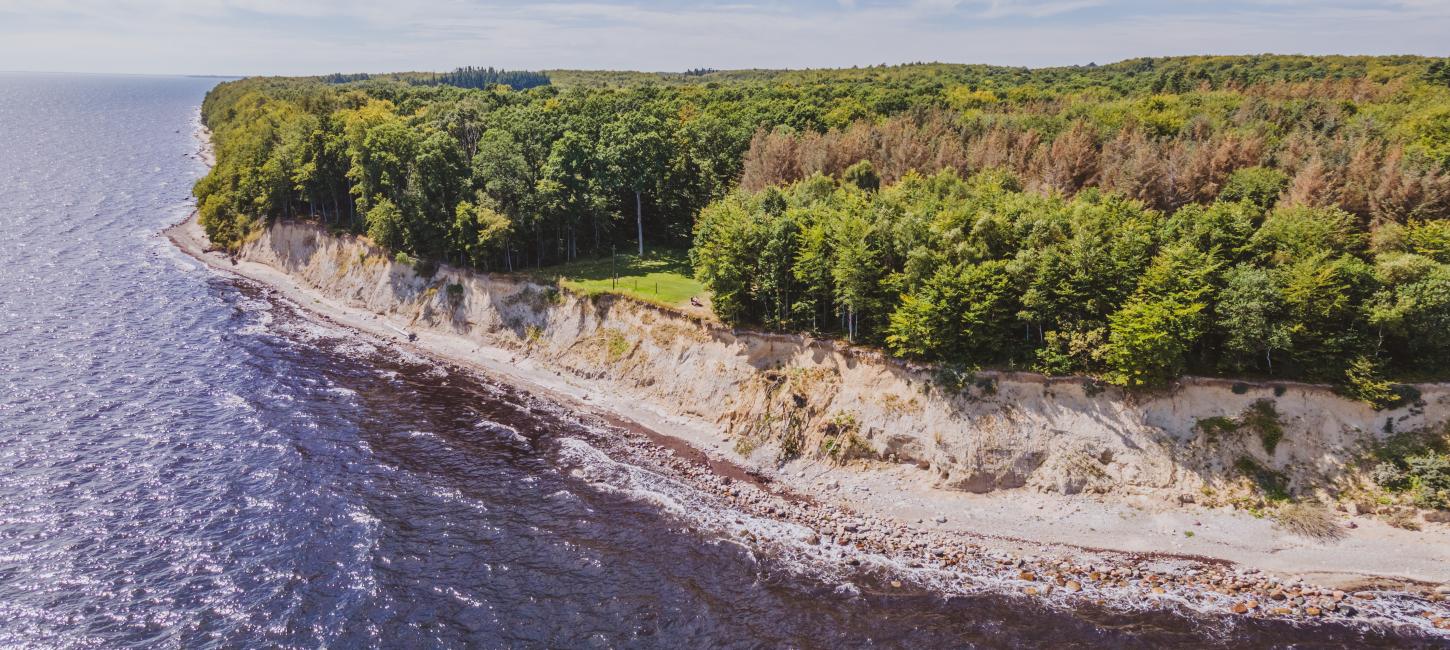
x=775, y=396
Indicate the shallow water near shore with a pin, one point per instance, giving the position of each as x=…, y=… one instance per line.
x=187, y=461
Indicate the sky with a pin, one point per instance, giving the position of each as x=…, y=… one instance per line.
x=245, y=37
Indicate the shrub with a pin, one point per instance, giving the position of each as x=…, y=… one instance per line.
x=455, y=293
x=385, y=224
x=1215, y=426
x=830, y=447
x=1400, y=446
x=1308, y=520
x=1390, y=477
x=745, y=445
x=533, y=334
x=1403, y=519
x=842, y=441
x=844, y=422
x=1148, y=340
x=1415, y=463
x=1362, y=382
x=792, y=440
x=1429, y=480
x=1239, y=388
x=1404, y=394
x=1263, y=419
x=616, y=346
x=954, y=379
x=1274, y=485
x=845, y=448
x=403, y=258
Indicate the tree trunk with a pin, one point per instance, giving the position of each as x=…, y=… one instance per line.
x=594, y=223
x=639, y=222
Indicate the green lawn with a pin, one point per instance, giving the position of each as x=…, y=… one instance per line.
x=662, y=276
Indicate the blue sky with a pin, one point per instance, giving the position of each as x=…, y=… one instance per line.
x=318, y=36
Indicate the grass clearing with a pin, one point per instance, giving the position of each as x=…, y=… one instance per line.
x=662, y=276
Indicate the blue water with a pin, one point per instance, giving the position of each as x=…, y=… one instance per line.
x=186, y=461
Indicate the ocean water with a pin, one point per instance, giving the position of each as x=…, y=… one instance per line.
x=187, y=461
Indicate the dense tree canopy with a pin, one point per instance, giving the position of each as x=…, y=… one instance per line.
x=980, y=272
x=466, y=77
x=1280, y=215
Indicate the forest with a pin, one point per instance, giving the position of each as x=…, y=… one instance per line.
x=465, y=77
x=1275, y=216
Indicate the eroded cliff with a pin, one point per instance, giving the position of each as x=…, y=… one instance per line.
x=774, y=397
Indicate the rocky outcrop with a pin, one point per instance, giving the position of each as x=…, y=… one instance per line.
x=778, y=396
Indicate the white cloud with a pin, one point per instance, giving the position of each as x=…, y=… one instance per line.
x=308, y=37
x=1038, y=9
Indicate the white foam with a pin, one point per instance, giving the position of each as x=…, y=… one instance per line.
x=789, y=548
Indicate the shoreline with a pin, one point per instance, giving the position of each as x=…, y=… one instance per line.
x=1007, y=542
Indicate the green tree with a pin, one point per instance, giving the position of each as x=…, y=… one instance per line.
x=962, y=314
x=856, y=269
x=726, y=244
x=636, y=153
x=1252, y=318
x=862, y=175
x=1150, y=336
x=812, y=272
x=437, y=183
x=385, y=224
x=570, y=189
x=1257, y=186
x=478, y=231
x=1322, y=294
x=380, y=148
x=1225, y=227
x=1296, y=232
x=1149, y=340
x=1411, y=309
